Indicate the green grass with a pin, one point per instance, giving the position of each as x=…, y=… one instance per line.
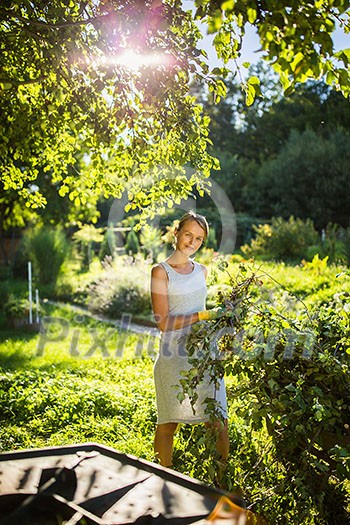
x=312, y=285
x=56, y=398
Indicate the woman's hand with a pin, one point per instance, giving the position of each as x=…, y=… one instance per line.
x=215, y=313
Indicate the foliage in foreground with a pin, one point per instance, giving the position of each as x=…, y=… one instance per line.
x=291, y=366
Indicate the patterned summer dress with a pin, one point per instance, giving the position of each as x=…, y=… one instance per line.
x=186, y=295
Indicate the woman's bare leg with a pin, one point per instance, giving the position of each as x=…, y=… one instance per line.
x=163, y=443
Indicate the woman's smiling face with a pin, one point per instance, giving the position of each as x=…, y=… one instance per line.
x=190, y=237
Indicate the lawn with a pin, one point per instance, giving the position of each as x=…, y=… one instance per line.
x=58, y=398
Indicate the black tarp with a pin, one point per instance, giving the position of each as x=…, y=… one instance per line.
x=92, y=484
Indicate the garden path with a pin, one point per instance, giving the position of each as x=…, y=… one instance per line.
x=125, y=322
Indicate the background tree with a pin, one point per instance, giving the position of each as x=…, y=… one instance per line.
x=285, y=156
x=86, y=236
x=306, y=179
x=132, y=244
x=312, y=105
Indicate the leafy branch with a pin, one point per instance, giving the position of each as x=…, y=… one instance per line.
x=289, y=380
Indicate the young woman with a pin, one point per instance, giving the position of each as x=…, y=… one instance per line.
x=178, y=291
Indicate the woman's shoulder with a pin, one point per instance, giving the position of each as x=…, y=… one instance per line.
x=158, y=270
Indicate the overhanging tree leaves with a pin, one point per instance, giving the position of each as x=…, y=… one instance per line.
x=71, y=87
x=68, y=94
x=295, y=36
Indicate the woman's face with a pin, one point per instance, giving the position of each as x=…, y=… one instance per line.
x=190, y=238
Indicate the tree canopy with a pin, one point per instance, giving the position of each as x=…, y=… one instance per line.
x=285, y=156
x=95, y=94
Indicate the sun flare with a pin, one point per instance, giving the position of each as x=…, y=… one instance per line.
x=132, y=60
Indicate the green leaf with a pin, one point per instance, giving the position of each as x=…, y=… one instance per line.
x=254, y=80
x=6, y=85
x=297, y=59
x=217, y=71
x=228, y=5
x=252, y=89
x=252, y=14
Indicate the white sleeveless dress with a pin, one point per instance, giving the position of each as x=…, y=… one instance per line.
x=186, y=295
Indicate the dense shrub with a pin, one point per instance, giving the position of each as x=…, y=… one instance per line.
x=16, y=306
x=282, y=240
x=47, y=248
x=129, y=299
x=290, y=382
x=334, y=244
x=122, y=288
